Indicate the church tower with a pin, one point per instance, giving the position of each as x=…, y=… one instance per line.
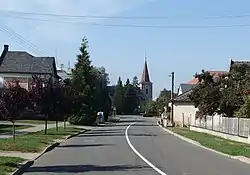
x=145, y=84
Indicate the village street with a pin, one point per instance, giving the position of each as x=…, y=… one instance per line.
x=134, y=146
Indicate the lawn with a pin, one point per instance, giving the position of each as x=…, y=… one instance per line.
x=9, y=164
x=36, y=142
x=35, y=121
x=216, y=143
x=8, y=128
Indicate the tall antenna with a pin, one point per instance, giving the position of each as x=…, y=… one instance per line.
x=56, y=56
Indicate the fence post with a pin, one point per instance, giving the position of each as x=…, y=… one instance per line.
x=205, y=122
x=212, y=122
x=182, y=119
x=238, y=126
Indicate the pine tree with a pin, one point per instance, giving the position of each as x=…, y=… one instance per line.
x=84, y=84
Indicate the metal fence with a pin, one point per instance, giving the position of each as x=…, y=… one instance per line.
x=233, y=126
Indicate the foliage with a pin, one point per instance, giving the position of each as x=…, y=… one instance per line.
x=224, y=94
x=130, y=98
x=151, y=108
x=13, y=101
x=90, y=86
x=45, y=97
x=244, y=111
x=163, y=99
x=206, y=94
x=135, y=81
x=118, y=98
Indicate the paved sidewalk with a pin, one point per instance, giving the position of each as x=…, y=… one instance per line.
x=36, y=128
x=26, y=156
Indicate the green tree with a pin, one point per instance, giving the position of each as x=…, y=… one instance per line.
x=163, y=99
x=151, y=108
x=244, y=111
x=206, y=95
x=102, y=96
x=130, y=98
x=118, y=98
x=232, y=88
x=135, y=81
x=84, y=82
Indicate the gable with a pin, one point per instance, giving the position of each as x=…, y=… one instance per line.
x=22, y=62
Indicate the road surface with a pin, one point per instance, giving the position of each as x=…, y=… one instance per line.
x=135, y=146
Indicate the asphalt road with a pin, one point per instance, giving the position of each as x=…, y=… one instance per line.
x=145, y=150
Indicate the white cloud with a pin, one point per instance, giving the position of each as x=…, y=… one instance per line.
x=57, y=31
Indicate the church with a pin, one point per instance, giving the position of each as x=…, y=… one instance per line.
x=146, y=87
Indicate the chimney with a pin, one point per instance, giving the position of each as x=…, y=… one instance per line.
x=6, y=48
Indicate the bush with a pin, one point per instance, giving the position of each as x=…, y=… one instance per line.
x=82, y=119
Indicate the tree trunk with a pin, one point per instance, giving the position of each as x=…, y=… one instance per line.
x=13, y=132
x=56, y=125
x=46, y=125
x=64, y=123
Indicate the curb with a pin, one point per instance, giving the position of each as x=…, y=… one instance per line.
x=240, y=158
x=29, y=163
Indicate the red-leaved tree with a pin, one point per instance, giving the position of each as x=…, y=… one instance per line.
x=13, y=101
x=43, y=97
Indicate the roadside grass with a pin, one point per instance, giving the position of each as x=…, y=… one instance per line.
x=8, y=128
x=36, y=142
x=217, y=143
x=34, y=121
x=9, y=164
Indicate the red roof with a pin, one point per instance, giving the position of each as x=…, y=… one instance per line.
x=145, y=74
x=214, y=73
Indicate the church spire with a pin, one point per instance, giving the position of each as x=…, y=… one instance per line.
x=145, y=74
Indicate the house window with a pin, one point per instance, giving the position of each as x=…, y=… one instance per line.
x=146, y=91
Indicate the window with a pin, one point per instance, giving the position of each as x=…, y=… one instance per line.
x=146, y=91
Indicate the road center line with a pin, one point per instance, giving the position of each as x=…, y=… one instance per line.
x=138, y=154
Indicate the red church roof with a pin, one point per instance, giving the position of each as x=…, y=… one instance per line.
x=145, y=74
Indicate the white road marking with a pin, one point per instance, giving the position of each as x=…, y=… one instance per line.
x=138, y=154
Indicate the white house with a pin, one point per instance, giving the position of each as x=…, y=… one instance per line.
x=184, y=110
x=21, y=66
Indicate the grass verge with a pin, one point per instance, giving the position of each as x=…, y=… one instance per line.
x=9, y=164
x=217, y=143
x=35, y=121
x=36, y=142
x=8, y=128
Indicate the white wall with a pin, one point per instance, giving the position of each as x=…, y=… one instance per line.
x=5, y=75
x=184, y=113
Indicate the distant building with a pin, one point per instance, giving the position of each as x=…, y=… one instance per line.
x=64, y=74
x=146, y=88
x=146, y=85
x=20, y=66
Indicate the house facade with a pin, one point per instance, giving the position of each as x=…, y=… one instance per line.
x=184, y=110
x=21, y=66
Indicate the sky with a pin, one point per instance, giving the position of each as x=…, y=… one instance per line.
x=177, y=46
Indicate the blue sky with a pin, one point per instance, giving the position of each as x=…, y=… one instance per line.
x=121, y=50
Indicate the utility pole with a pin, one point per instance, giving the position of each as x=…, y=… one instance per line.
x=172, y=98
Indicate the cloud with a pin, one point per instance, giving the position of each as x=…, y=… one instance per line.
x=57, y=31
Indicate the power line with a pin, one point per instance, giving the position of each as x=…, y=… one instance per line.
x=124, y=17
x=19, y=39
x=134, y=26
